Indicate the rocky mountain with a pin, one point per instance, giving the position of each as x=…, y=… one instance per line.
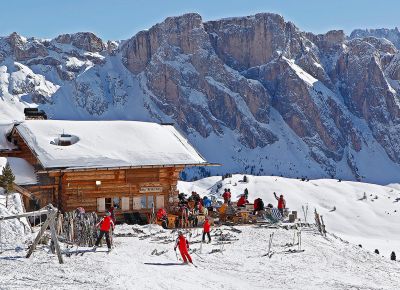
x=254, y=93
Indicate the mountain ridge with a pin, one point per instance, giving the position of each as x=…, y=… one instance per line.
x=254, y=93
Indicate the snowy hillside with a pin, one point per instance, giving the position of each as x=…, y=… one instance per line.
x=372, y=222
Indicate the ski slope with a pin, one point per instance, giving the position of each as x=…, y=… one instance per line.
x=326, y=263
x=146, y=260
x=372, y=222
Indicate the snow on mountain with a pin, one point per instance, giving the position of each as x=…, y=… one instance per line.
x=371, y=222
x=253, y=93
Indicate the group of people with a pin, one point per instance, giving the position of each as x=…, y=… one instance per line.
x=189, y=216
x=258, y=207
x=190, y=208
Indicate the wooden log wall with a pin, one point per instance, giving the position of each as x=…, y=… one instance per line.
x=79, y=189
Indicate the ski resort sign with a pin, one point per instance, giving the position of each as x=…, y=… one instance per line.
x=150, y=189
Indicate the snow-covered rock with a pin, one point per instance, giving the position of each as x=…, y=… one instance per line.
x=254, y=93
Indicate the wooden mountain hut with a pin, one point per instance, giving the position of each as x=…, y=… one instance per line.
x=129, y=165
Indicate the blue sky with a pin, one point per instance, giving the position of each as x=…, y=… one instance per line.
x=121, y=19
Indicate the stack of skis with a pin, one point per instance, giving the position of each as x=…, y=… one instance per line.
x=78, y=228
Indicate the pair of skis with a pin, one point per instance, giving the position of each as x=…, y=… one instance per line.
x=270, y=252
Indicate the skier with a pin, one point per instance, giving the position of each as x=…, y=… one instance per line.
x=227, y=196
x=105, y=224
x=206, y=202
x=162, y=217
x=242, y=201
x=281, y=203
x=259, y=207
x=183, y=245
x=206, y=231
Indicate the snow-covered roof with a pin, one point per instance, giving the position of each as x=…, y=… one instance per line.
x=100, y=144
x=23, y=171
x=5, y=128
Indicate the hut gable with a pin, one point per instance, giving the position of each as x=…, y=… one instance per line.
x=106, y=144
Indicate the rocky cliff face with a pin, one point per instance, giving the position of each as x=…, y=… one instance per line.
x=254, y=93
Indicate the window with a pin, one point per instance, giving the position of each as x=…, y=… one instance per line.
x=150, y=201
x=101, y=207
x=143, y=201
x=117, y=202
x=108, y=203
x=136, y=203
x=125, y=203
x=160, y=201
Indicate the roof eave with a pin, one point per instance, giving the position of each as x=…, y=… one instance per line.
x=72, y=169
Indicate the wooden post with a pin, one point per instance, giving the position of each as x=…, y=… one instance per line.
x=54, y=238
x=50, y=221
x=40, y=234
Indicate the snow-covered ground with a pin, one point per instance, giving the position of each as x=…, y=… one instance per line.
x=145, y=259
x=372, y=222
x=326, y=263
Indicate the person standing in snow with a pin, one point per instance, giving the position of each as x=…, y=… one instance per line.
x=281, y=203
x=227, y=196
x=206, y=230
x=105, y=224
x=183, y=246
x=242, y=201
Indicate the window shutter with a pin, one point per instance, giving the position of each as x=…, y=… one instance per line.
x=101, y=205
x=125, y=203
x=160, y=201
x=136, y=203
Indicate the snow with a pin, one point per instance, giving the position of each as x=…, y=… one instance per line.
x=326, y=263
x=108, y=144
x=5, y=128
x=23, y=171
x=13, y=232
x=372, y=222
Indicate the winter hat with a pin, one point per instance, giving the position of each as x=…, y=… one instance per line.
x=108, y=213
x=180, y=233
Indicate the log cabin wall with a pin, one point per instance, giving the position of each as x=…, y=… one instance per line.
x=128, y=190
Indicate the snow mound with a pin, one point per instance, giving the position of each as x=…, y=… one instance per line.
x=13, y=232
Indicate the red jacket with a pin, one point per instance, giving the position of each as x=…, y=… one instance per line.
x=256, y=204
x=226, y=195
x=161, y=213
x=281, y=203
x=106, y=223
x=242, y=201
x=206, y=227
x=182, y=243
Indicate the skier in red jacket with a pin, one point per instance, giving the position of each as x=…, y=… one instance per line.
x=206, y=230
x=281, y=203
x=227, y=196
x=105, y=224
x=242, y=201
x=183, y=245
